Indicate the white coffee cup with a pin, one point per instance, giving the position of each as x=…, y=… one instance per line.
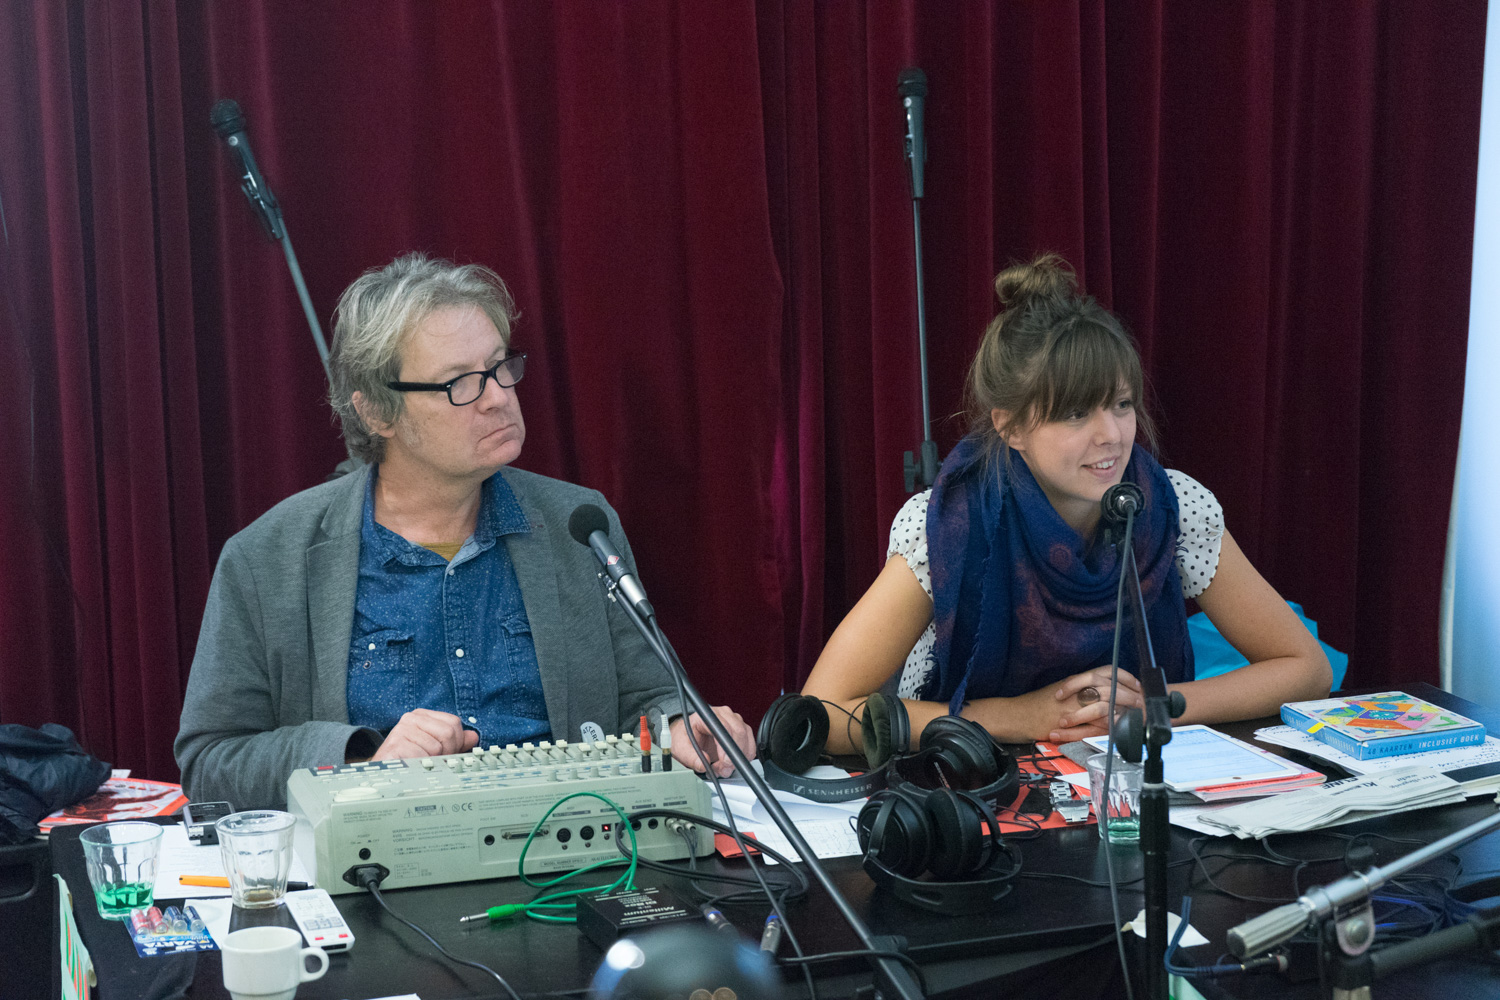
x=267, y=963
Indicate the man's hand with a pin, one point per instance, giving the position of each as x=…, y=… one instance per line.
x=425, y=733
x=682, y=749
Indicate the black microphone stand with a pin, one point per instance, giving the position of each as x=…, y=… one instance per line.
x=1153, y=729
x=229, y=122
x=1354, y=975
x=268, y=210
x=911, y=84
x=892, y=979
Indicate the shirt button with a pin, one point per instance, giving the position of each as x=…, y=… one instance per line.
x=372, y=645
x=472, y=719
x=458, y=653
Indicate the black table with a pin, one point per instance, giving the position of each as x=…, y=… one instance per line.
x=1049, y=936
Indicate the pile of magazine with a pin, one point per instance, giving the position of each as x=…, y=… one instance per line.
x=1337, y=802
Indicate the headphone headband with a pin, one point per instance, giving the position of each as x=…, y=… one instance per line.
x=856, y=786
x=981, y=766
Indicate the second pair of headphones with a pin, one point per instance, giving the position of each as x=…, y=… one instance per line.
x=937, y=818
x=953, y=753
x=953, y=836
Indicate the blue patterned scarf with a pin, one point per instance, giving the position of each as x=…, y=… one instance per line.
x=1020, y=599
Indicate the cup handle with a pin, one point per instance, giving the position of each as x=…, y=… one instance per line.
x=321, y=956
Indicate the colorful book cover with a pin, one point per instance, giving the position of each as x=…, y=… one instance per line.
x=1381, y=725
x=121, y=798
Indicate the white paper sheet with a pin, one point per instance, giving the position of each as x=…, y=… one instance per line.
x=829, y=838
x=180, y=856
x=826, y=826
x=745, y=806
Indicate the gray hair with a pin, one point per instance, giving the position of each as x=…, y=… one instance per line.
x=372, y=320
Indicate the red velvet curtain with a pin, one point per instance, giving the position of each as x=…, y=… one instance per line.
x=704, y=215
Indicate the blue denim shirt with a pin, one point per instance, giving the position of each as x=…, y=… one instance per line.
x=450, y=636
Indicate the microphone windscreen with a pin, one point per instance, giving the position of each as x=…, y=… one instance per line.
x=911, y=83
x=226, y=117
x=1120, y=499
x=584, y=521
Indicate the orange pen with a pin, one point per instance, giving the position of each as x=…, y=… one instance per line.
x=214, y=880
x=220, y=882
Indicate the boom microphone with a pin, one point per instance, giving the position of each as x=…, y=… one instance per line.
x=229, y=122
x=911, y=84
x=589, y=526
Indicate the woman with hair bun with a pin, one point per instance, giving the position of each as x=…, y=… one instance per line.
x=997, y=601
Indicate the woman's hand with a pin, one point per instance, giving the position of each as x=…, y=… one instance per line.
x=1083, y=701
x=1070, y=709
x=1062, y=712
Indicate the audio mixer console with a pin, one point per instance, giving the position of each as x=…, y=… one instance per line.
x=467, y=816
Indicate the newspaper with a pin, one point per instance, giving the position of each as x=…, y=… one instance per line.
x=1483, y=757
x=1336, y=802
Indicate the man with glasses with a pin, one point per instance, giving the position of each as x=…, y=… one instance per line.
x=431, y=601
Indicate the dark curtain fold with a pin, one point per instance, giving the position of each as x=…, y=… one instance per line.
x=704, y=215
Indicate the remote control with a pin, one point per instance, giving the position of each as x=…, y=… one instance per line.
x=319, y=920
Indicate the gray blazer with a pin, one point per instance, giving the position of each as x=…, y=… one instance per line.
x=266, y=693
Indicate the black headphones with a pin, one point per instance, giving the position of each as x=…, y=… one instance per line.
x=938, y=816
x=794, y=733
x=953, y=753
x=957, y=753
x=906, y=832
x=929, y=811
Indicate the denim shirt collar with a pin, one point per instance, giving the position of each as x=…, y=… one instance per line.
x=500, y=514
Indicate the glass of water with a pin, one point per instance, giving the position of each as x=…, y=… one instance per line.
x=121, y=859
x=257, y=850
x=1124, y=798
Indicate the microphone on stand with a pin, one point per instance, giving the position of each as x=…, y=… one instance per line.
x=589, y=526
x=1140, y=735
x=229, y=122
x=1121, y=503
x=920, y=466
x=911, y=84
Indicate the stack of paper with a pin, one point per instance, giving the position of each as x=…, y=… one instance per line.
x=828, y=827
x=1475, y=768
x=1337, y=802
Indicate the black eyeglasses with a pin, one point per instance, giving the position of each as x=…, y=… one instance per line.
x=469, y=386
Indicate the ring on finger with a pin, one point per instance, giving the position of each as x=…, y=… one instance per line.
x=1088, y=695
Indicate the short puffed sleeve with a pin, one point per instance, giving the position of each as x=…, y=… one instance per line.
x=1201, y=533
x=909, y=538
x=909, y=541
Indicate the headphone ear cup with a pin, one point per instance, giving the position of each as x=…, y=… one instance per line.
x=969, y=752
x=793, y=732
x=893, y=829
x=959, y=841
x=885, y=729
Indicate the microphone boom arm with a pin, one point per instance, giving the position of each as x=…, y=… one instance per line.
x=893, y=978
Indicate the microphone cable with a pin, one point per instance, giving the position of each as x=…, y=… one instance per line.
x=1274, y=962
x=371, y=882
